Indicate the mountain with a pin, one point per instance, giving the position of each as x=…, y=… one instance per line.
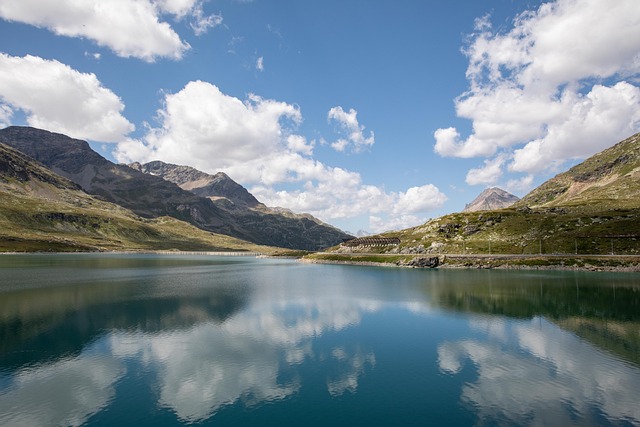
x=42, y=211
x=215, y=187
x=146, y=195
x=234, y=213
x=490, y=199
x=593, y=208
x=273, y=226
x=609, y=179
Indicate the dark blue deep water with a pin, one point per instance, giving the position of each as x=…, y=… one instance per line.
x=158, y=340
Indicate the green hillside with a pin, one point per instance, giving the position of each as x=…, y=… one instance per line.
x=607, y=180
x=592, y=209
x=41, y=211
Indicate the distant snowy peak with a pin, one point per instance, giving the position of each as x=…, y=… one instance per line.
x=490, y=199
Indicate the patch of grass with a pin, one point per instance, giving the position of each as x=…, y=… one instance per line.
x=32, y=224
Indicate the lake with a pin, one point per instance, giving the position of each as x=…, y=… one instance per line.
x=163, y=340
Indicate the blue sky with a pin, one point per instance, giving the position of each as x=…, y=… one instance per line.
x=369, y=115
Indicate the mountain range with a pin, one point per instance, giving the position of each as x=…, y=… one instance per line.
x=259, y=223
x=219, y=205
x=43, y=211
x=59, y=194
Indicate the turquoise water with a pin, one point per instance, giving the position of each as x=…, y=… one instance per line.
x=104, y=340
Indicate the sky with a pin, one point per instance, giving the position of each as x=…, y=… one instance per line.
x=372, y=116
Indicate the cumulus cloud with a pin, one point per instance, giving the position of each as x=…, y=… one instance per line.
x=557, y=86
x=352, y=130
x=299, y=144
x=487, y=174
x=593, y=118
x=130, y=28
x=523, y=184
x=260, y=64
x=58, y=98
x=255, y=142
x=419, y=199
x=202, y=127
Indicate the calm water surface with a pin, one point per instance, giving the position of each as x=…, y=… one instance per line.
x=106, y=340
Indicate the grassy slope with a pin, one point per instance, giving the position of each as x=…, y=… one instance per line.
x=594, y=208
x=40, y=211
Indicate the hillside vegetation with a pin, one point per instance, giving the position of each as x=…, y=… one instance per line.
x=216, y=204
x=593, y=208
x=41, y=211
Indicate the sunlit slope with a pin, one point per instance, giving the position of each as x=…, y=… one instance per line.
x=40, y=210
x=607, y=180
x=594, y=208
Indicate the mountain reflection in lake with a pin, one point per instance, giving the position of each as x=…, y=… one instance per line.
x=170, y=340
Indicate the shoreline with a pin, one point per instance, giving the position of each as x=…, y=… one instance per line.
x=209, y=253
x=560, y=262
x=605, y=263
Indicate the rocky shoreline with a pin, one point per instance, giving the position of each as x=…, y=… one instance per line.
x=607, y=263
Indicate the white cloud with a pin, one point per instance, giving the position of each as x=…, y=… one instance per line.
x=594, y=119
x=419, y=199
x=94, y=55
x=131, y=28
x=255, y=143
x=487, y=174
x=523, y=184
x=60, y=99
x=200, y=23
x=557, y=86
x=298, y=144
x=354, y=132
x=5, y=115
x=202, y=127
x=260, y=64
x=378, y=224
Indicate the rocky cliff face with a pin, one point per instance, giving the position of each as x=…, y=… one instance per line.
x=274, y=226
x=491, y=199
x=200, y=183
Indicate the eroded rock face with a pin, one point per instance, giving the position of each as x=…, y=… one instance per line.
x=491, y=199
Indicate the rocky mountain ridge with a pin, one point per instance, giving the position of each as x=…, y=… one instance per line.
x=146, y=195
x=490, y=199
x=43, y=211
x=151, y=196
x=251, y=215
x=200, y=183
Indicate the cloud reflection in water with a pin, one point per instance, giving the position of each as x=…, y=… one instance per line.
x=35, y=397
x=537, y=373
x=210, y=365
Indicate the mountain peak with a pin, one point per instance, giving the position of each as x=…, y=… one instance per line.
x=490, y=199
x=200, y=183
